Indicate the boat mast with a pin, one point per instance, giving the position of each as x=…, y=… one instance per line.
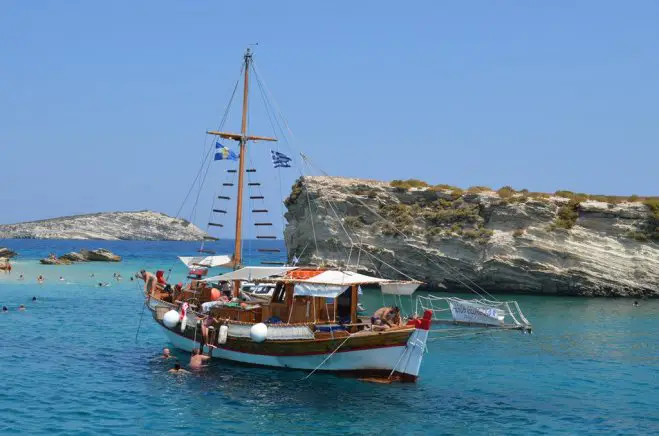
x=242, y=139
x=237, y=251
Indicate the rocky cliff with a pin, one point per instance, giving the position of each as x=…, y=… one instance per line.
x=143, y=225
x=504, y=241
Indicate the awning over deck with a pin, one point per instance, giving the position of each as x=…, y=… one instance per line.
x=346, y=278
x=251, y=273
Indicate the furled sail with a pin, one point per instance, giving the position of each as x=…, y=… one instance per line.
x=207, y=261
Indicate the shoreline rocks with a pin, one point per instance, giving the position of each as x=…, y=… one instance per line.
x=7, y=253
x=98, y=255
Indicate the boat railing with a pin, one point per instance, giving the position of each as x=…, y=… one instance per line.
x=474, y=312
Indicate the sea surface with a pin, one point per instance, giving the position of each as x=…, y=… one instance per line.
x=83, y=359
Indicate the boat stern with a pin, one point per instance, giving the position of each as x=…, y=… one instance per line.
x=410, y=361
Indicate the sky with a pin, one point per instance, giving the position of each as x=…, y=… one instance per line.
x=104, y=105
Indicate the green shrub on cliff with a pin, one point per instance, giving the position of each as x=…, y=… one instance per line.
x=567, y=215
x=475, y=189
x=506, y=192
x=296, y=190
x=409, y=183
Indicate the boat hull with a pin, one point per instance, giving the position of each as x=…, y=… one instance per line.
x=392, y=355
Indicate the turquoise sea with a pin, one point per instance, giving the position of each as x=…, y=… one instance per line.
x=71, y=364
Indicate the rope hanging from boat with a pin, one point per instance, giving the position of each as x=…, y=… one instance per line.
x=327, y=358
x=271, y=102
x=212, y=146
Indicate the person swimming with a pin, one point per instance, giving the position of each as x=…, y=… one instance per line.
x=34, y=298
x=178, y=370
x=40, y=279
x=21, y=308
x=61, y=279
x=20, y=277
x=5, y=309
x=166, y=354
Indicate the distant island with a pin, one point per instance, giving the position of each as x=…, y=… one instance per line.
x=141, y=225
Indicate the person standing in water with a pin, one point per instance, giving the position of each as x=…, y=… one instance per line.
x=198, y=360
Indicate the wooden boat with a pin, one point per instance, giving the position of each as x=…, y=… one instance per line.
x=310, y=320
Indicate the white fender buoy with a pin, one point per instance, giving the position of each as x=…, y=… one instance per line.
x=170, y=319
x=222, y=336
x=184, y=323
x=258, y=332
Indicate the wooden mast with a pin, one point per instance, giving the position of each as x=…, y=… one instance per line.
x=242, y=138
x=237, y=252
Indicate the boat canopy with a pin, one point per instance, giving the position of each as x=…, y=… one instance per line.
x=347, y=278
x=207, y=261
x=251, y=273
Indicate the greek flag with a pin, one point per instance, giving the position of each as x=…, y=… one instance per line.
x=223, y=153
x=280, y=160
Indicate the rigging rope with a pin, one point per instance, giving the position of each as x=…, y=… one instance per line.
x=457, y=271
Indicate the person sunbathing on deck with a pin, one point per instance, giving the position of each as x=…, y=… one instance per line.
x=198, y=359
x=385, y=318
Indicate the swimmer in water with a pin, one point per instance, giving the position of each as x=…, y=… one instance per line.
x=34, y=298
x=178, y=370
x=166, y=354
x=635, y=303
x=5, y=309
x=40, y=279
x=21, y=308
x=21, y=277
x=61, y=279
x=91, y=275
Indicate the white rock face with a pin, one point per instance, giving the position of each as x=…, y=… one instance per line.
x=520, y=253
x=143, y=225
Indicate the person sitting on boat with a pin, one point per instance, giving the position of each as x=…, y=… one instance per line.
x=198, y=359
x=385, y=318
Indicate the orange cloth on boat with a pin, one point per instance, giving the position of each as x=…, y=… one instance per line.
x=215, y=294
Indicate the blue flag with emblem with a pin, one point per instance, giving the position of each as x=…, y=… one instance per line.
x=223, y=153
x=280, y=160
